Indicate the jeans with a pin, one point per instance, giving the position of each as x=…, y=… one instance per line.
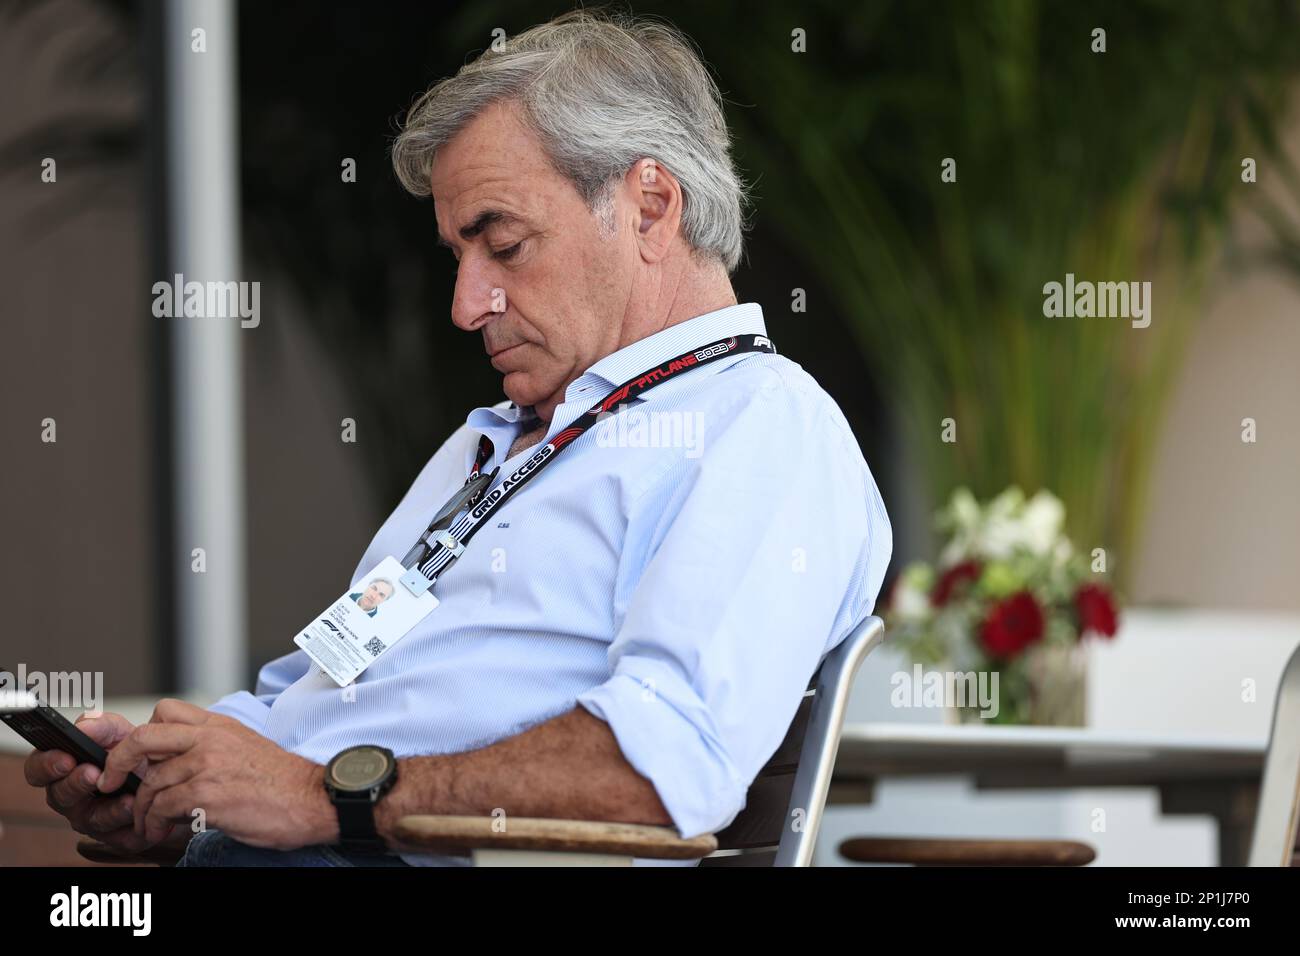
x=214, y=848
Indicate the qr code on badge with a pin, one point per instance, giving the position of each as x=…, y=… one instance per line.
x=375, y=646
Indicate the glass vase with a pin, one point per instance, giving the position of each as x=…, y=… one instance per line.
x=1047, y=687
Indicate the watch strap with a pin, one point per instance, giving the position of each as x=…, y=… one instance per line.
x=357, y=824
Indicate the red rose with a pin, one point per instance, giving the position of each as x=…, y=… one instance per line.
x=956, y=576
x=1096, y=609
x=1012, y=625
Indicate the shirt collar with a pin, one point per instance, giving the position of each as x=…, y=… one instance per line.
x=498, y=421
x=654, y=350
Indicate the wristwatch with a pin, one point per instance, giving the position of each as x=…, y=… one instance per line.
x=355, y=780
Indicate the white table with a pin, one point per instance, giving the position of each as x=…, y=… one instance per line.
x=1202, y=775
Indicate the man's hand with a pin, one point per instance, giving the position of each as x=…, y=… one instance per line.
x=70, y=788
x=247, y=786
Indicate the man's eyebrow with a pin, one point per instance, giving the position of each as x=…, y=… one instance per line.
x=488, y=217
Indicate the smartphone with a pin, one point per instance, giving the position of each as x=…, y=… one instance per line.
x=46, y=729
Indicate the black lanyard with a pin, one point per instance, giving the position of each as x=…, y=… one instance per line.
x=467, y=511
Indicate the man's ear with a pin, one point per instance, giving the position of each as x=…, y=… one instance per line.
x=657, y=201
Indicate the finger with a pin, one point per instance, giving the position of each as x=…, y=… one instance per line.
x=159, y=778
x=44, y=767
x=149, y=740
x=107, y=815
x=105, y=729
x=169, y=710
x=124, y=839
x=73, y=790
x=174, y=805
x=178, y=836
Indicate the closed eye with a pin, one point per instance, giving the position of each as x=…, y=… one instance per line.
x=508, y=254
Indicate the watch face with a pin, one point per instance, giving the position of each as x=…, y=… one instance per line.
x=360, y=768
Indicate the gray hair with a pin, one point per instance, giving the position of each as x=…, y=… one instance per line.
x=601, y=92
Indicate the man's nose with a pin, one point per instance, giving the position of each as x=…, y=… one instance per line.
x=477, y=297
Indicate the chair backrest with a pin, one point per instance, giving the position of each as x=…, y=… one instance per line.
x=1274, y=841
x=783, y=808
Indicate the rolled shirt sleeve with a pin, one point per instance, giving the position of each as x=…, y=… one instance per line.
x=253, y=709
x=758, y=557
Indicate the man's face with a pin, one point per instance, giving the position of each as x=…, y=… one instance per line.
x=536, y=277
x=376, y=594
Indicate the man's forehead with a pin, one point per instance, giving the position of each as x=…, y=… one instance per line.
x=456, y=180
x=493, y=172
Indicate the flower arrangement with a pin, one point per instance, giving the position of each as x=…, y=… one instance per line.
x=1009, y=594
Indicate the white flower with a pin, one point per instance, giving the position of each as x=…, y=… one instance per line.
x=964, y=512
x=1004, y=526
x=996, y=534
x=1007, y=504
x=911, y=598
x=911, y=604
x=962, y=518
x=1000, y=536
x=954, y=552
x=1041, y=523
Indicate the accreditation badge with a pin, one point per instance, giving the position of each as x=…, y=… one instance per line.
x=364, y=623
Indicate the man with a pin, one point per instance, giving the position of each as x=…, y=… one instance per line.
x=628, y=638
x=376, y=593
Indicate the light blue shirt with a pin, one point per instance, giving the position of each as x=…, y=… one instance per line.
x=680, y=570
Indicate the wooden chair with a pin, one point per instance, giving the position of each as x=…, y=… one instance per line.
x=777, y=827
x=1274, y=840
x=950, y=852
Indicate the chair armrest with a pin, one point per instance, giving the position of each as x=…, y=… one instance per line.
x=160, y=855
x=951, y=852
x=465, y=833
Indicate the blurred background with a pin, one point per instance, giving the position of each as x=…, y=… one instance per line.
x=909, y=298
